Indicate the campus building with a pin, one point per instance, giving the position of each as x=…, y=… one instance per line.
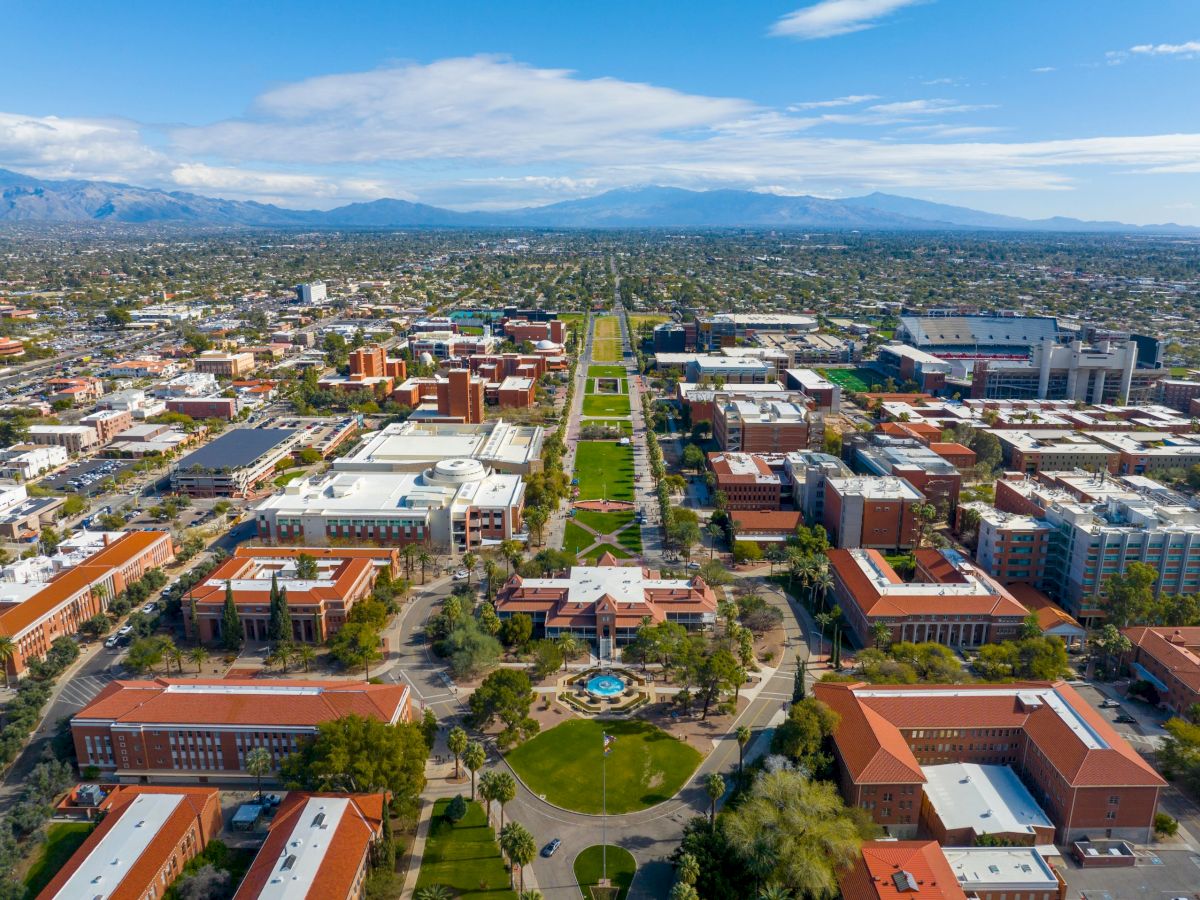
x=871, y=511
x=318, y=606
x=1096, y=527
x=412, y=446
x=51, y=604
x=1080, y=773
x=456, y=505
x=725, y=329
x=950, y=335
x=370, y=370
x=927, y=471
x=1168, y=658
x=607, y=602
x=145, y=836
x=225, y=365
x=200, y=728
x=949, y=600
x=905, y=364
x=235, y=463
x=319, y=846
x=776, y=425
x=746, y=480
x=1103, y=373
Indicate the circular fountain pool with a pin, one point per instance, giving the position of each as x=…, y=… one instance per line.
x=605, y=685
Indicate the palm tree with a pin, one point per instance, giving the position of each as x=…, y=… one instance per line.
x=456, y=742
x=569, y=646
x=175, y=655
x=687, y=869
x=881, y=634
x=474, y=757
x=198, y=655
x=743, y=738
x=822, y=582
x=424, y=558
x=505, y=791
x=469, y=562
x=434, y=892
x=714, y=786
x=532, y=895
x=681, y=890
x=8, y=649
x=824, y=620
x=167, y=647
x=258, y=764
x=488, y=792
x=715, y=533
x=775, y=892
x=408, y=551
x=518, y=845
x=306, y=655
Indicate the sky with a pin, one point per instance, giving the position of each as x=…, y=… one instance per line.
x=1087, y=108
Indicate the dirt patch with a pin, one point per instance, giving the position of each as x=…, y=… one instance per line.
x=697, y=732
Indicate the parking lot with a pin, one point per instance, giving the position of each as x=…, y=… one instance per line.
x=87, y=477
x=1161, y=875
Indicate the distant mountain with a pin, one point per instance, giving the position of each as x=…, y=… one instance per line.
x=30, y=200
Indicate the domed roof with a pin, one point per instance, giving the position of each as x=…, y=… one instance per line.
x=546, y=345
x=458, y=471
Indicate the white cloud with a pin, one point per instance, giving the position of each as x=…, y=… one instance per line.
x=1187, y=49
x=1043, y=69
x=848, y=100
x=833, y=17
x=484, y=131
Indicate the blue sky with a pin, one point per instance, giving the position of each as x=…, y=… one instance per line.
x=1027, y=107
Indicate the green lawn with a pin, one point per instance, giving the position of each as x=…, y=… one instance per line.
x=607, y=387
x=604, y=470
x=590, y=865
x=858, y=379
x=600, y=549
x=464, y=857
x=637, y=320
x=624, y=425
x=645, y=766
x=606, y=523
x=607, y=371
x=290, y=476
x=606, y=405
x=576, y=538
x=62, y=840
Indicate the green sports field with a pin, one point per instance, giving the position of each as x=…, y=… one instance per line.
x=604, y=470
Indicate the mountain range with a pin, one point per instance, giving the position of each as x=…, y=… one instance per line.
x=24, y=199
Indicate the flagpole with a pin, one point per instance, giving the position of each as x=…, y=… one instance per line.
x=604, y=813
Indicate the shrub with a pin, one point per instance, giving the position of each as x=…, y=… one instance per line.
x=456, y=809
x=1165, y=825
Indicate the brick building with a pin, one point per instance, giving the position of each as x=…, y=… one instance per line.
x=746, y=480
x=871, y=511
x=58, y=607
x=370, y=370
x=318, y=606
x=777, y=425
x=460, y=397
x=225, y=365
x=949, y=600
x=1169, y=658
x=108, y=423
x=321, y=840
x=224, y=408
x=1085, y=776
x=145, y=837
x=519, y=330
x=196, y=728
x=516, y=393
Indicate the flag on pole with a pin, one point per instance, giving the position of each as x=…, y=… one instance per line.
x=608, y=742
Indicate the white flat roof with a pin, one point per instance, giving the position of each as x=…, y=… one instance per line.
x=102, y=872
x=988, y=799
x=302, y=857
x=625, y=584
x=1020, y=868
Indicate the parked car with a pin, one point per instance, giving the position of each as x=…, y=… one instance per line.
x=124, y=630
x=1109, y=703
x=461, y=575
x=150, y=608
x=550, y=849
x=1125, y=719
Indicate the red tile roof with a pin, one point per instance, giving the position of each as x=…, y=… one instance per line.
x=1176, y=649
x=874, y=875
x=1113, y=763
x=257, y=702
x=766, y=521
x=343, y=857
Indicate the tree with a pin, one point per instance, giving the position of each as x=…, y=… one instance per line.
x=535, y=517
x=795, y=833
x=505, y=694
x=456, y=743
x=746, y=551
x=881, y=634
x=470, y=649
x=232, y=633
x=488, y=620
x=424, y=558
x=474, y=758
x=519, y=846
x=144, y=654
x=8, y=649
x=455, y=809
x=1129, y=595
x=681, y=890
x=279, y=626
x=569, y=646
x=803, y=735
x=469, y=561
x=1031, y=627
x=547, y=658
x=714, y=787
x=206, y=883
x=516, y=630
x=799, y=687
x=358, y=754
x=306, y=655
x=258, y=763
x=743, y=735
x=198, y=655
x=356, y=644
x=693, y=457
x=434, y=892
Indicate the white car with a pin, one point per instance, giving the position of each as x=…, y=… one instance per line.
x=124, y=630
x=462, y=575
x=150, y=608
